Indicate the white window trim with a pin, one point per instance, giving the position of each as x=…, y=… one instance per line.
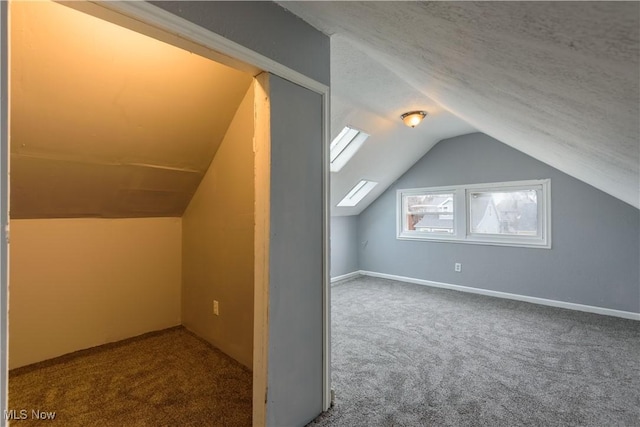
x=461, y=221
x=357, y=193
x=416, y=235
x=345, y=148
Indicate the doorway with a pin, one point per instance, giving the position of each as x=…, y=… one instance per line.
x=123, y=159
x=150, y=18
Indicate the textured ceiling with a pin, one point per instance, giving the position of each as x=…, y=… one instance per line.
x=106, y=122
x=556, y=80
x=391, y=147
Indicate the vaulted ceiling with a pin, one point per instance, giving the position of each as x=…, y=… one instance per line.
x=556, y=80
x=106, y=122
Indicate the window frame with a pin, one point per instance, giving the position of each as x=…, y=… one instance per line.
x=364, y=185
x=348, y=147
x=462, y=214
x=417, y=235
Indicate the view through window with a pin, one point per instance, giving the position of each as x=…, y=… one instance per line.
x=508, y=213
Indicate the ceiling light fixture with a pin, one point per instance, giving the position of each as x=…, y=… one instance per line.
x=413, y=118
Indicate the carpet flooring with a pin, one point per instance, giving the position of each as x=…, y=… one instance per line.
x=166, y=378
x=410, y=355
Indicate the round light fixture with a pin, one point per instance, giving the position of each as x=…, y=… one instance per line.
x=413, y=118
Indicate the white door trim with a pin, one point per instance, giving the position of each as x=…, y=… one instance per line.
x=167, y=21
x=326, y=254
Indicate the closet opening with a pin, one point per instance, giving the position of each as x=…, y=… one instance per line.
x=139, y=221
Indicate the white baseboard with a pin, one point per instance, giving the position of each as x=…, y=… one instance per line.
x=346, y=276
x=542, y=301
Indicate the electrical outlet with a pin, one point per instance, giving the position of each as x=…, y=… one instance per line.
x=216, y=311
x=458, y=267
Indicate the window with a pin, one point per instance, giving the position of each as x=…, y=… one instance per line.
x=428, y=212
x=357, y=193
x=344, y=146
x=513, y=213
x=509, y=213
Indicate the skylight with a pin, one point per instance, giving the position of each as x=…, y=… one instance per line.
x=345, y=146
x=357, y=193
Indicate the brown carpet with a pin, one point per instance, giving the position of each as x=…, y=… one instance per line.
x=166, y=378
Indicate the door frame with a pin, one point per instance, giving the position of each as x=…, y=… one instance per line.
x=4, y=210
x=158, y=23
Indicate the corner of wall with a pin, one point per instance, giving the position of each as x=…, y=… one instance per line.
x=217, y=243
x=595, y=252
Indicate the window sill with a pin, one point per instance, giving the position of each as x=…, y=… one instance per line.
x=469, y=241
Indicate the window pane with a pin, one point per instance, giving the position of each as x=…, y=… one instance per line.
x=511, y=213
x=429, y=213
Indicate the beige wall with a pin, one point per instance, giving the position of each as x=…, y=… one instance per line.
x=217, y=244
x=78, y=283
x=131, y=141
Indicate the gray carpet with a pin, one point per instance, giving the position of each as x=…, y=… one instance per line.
x=410, y=355
x=168, y=378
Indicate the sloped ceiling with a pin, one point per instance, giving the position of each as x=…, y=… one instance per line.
x=556, y=80
x=106, y=122
x=392, y=147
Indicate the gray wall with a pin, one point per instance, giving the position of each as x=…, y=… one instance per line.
x=344, y=245
x=263, y=27
x=595, y=245
x=295, y=276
